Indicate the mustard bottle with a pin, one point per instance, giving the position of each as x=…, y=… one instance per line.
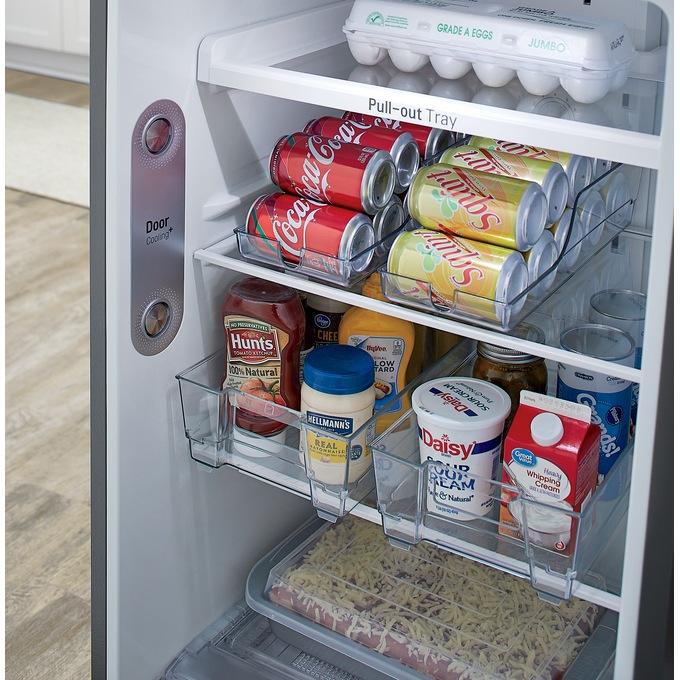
x=390, y=342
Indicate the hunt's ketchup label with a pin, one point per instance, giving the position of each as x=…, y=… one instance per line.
x=264, y=324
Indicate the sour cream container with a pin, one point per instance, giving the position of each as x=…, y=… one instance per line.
x=460, y=429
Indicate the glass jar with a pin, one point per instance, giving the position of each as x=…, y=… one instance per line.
x=511, y=370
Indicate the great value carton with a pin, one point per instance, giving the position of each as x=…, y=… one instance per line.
x=550, y=455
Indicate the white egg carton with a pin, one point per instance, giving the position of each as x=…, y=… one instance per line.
x=589, y=56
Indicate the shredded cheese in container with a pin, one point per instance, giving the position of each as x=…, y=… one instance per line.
x=443, y=615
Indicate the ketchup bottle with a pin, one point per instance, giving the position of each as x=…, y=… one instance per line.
x=264, y=326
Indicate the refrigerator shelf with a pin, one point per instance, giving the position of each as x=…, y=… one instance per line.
x=313, y=64
x=403, y=488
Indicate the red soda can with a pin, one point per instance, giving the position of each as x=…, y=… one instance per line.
x=430, y=140
x=348, y=175
x=321, y=236
x=398, y=143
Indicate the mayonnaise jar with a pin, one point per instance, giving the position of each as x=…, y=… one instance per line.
x=337, y=398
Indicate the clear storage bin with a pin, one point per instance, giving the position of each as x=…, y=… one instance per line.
x=403, y=487
x=214, y=440
x=423, y=613
x=503, y=315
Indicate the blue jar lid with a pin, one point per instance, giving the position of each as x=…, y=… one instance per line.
x=339, y=369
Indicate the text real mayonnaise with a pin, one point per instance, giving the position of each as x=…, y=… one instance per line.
x=337, y=398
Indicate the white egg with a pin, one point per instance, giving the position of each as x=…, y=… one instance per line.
x=452, y=89
x=585, y=90
x=538, y=83
x=408, y=61
x=366, y=54
x=448, y=67
x=493, y=75
x=371, y=75
x=495, y=96
x=410, y=82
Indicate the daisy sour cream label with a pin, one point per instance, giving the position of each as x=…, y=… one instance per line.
x=460, y=426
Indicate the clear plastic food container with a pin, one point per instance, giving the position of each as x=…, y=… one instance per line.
x=544, y=48
x=434, y=612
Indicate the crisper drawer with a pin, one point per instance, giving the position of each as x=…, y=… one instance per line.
x=209, y=413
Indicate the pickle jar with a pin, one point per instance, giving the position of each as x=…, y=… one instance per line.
x=511, y=370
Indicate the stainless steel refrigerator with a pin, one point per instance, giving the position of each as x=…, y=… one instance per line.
x=188, y=100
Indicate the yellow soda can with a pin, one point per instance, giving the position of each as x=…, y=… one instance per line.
x=549, y=174
x=499, y=210
x=579, y=169
x=473, y=277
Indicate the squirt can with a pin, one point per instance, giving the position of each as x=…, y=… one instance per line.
x=431, y=141
x=398, y=143
x=323, y=237
x=579, y=169
x=549, y=174
x=473, y=277
x=499, y=210
x=348, y=175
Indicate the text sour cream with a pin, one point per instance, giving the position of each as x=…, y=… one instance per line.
x=460, y=428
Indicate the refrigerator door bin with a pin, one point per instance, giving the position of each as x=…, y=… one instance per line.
x=425, y=613
x=209, y=413
x=405, y=488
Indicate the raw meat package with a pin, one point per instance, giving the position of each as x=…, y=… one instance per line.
x=544, y=48
x=443, y=615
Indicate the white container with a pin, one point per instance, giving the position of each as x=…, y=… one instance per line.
x=460, y=427
x=543, y=48
x=337, y=396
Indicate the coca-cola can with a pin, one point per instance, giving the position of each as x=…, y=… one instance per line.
x=360, y=178
x=399, y=144
x=387, y=223
x=320, y=236
x=430, y=141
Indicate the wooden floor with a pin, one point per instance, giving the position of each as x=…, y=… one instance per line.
x=47, y=522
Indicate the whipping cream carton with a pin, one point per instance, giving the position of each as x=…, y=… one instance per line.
x=550, y=454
